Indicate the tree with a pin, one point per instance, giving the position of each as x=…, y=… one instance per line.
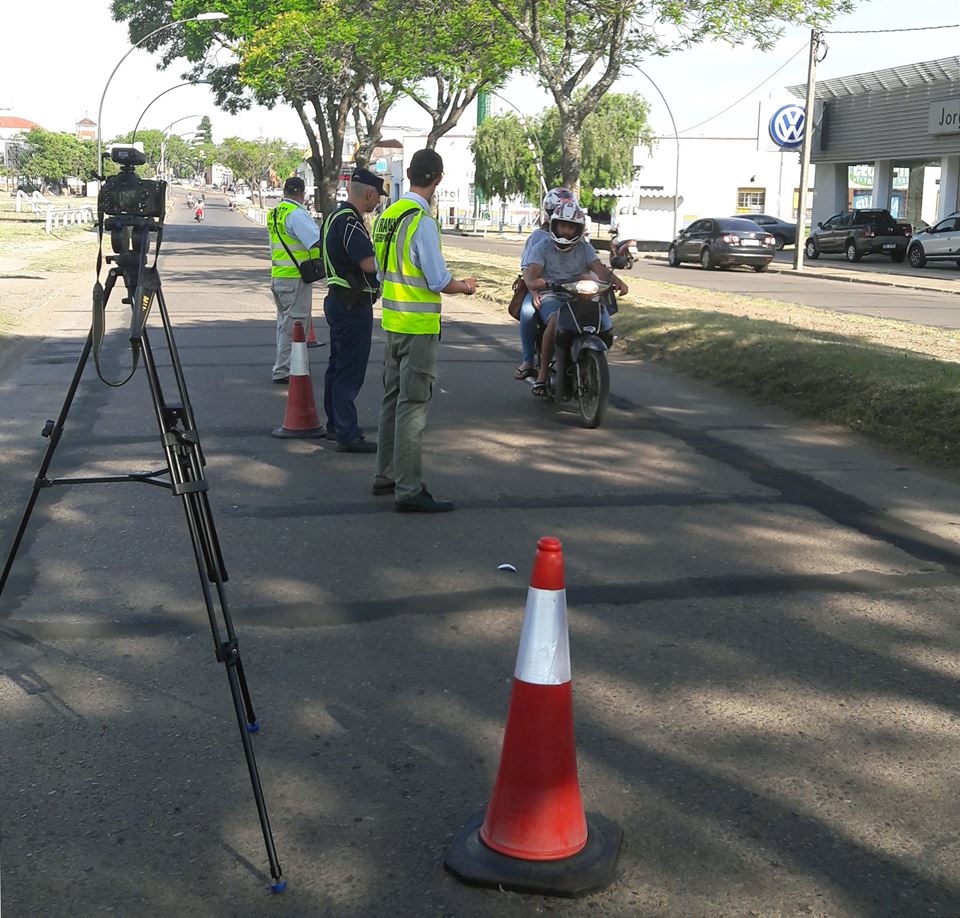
x=326, y=58
x=458, y=50
x=50, y=157
x=581, y=47
x=254, y=160
x=505, y=166
x=204, y=131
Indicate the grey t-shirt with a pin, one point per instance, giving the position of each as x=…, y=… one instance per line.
x=559, y=265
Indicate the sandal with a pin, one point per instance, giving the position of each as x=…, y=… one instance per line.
x=525, y=372
x=539, y=389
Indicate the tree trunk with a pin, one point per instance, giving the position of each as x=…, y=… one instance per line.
x=570, y=153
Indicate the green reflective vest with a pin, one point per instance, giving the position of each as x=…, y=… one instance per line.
x=329, y=269
x=410, y=307
x=283, y=265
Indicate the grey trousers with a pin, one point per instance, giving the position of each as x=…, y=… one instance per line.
x=409, y=372
x=294, y=300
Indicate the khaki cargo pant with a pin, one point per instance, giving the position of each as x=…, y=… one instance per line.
x=409, y=372
x=294, y=300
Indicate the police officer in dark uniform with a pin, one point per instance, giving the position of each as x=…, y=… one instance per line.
x=352, y=290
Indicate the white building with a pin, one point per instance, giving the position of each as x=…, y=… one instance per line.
x=717, y=175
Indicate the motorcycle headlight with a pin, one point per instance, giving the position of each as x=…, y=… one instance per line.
x=587, y=287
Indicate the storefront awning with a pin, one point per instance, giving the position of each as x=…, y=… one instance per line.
x=942, y=70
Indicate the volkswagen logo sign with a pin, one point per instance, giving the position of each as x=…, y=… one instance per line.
x=786, y=126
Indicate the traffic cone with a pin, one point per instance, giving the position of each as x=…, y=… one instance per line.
x=535, y=836
x=301, y=420
x=312, y=336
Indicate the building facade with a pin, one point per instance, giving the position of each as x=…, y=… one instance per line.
x=889, y=138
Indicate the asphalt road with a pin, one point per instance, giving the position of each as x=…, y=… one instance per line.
x=917, y=306
x=763, y=637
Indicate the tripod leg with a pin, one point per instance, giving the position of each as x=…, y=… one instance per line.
x=186, y=476
x=54, y=433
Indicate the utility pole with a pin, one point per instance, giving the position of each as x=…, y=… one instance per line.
x=815, y=39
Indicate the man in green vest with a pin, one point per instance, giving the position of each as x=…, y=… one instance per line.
x=293, y=232
x=406, y=240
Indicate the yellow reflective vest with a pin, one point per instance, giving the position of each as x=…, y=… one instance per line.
x=283, y=265
x=410, y=307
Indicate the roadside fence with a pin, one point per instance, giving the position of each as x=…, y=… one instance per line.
x=65, y=216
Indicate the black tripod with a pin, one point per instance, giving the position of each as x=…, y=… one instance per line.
x=183, y=475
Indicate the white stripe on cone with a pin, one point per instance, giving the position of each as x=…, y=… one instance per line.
x=299, y=361
x=544, y=654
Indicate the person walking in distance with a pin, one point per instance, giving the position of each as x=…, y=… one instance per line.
x=407, y=243
x=353, y=288
x=290, y=223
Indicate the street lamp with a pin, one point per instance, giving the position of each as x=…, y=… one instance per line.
x=136, y=127
x=203, y=17
x=676, y=137
x=163, y=140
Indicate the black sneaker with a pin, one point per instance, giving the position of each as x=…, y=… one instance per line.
x=424, y=502
x=356, y=446
x=281, y=380
x=383, y=486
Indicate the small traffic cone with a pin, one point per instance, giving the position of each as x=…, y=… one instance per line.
x=535, y=836
x=301, y=420
x=312, y=336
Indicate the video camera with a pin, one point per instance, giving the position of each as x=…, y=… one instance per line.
x=128, y=195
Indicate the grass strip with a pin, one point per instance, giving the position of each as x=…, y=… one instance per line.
x=897, y=384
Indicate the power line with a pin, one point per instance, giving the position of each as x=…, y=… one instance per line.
x=955, y=25
x=746, y=95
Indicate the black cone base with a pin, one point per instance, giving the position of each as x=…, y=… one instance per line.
x=471, y=861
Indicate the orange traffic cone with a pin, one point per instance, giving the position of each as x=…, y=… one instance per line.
x=301, y=420
x=535, y=836
x=312, y=336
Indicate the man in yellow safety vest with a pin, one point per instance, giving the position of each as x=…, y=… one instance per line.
x=406, y=240
x=294, y=235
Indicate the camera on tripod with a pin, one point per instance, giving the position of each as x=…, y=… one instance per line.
x=128, y=195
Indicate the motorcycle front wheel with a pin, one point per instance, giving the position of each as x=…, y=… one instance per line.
x=594, y=387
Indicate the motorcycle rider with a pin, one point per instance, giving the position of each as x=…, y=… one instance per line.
x=198, y=213
x=190, y=199
x=528, y=315
x=562, y=255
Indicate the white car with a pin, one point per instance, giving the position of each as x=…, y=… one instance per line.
x=938, y=242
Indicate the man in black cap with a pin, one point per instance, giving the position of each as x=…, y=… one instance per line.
x=294, y=236
x=352, y=290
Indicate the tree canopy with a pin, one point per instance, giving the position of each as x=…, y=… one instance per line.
x=51, y=157
x=255, y=160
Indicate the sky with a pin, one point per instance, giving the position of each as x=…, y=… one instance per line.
x=55, y=75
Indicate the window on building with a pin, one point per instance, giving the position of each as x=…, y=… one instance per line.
x=796, y=205
x=751, y=200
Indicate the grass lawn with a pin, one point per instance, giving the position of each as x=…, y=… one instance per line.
x=896, y=383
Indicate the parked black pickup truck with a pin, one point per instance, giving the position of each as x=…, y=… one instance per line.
x=855, y=233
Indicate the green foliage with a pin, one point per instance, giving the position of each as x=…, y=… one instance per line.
x=253, y=160
x=204, y=132
x=505, y=166
x=51, y=157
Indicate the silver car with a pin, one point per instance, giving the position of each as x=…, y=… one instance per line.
x=938, y=242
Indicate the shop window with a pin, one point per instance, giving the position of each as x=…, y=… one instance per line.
x=796, y=205
x=751, y=200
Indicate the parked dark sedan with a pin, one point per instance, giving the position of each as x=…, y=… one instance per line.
x=785, y=233
x=721, y=242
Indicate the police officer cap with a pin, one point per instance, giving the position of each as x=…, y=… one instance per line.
x=366, y=177
x=294, y=185
x=425, y=166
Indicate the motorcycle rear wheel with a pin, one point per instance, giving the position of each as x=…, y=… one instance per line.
x=594, y=389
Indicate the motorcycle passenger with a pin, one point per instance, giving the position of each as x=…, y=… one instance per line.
x=562, y=255
x=528, y=315
x=198, y=214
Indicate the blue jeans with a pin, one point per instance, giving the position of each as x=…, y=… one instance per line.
x=528, y=329
x=351, y=329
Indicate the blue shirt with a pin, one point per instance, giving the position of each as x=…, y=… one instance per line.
x=301, y=225
x=425, y=251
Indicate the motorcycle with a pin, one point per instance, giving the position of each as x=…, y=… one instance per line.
x=198, y=216
x=579, y=367
x=623, y=253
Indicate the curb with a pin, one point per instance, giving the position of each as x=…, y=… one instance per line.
x=840, y=278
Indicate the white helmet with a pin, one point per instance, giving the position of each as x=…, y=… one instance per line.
x=554, y=198
x=567, y=213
